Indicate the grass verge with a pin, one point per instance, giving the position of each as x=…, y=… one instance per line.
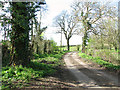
x=99, y=61
x=41, y=66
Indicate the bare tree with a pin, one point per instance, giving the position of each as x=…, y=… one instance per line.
x=89, y=14
x=68, y=24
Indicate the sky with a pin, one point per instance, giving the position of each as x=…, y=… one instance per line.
x=54, y=8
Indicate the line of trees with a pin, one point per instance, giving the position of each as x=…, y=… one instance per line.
x=96, y=21
x=89, y=18
x=22, y=31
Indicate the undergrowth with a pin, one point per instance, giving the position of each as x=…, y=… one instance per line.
x=41, y=66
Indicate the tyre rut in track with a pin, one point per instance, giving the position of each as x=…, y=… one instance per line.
x=97, y=77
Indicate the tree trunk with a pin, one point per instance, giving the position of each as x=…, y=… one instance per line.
x=20, y=34
x=45, y=47
x=78, y=47
x=116, y=48
x=49, y=47
x=110, y=47
x=68, y=45
x=102, y=45
x=37, y=49
x=83, y=49
x=84, y=42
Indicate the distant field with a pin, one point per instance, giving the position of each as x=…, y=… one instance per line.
x=72, y=48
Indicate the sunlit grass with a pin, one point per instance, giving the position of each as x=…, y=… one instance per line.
x=41, y=66
x=99, y=61
x=72, y=48
x=106, y=54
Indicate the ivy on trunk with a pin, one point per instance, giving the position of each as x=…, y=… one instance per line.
x=20, y=33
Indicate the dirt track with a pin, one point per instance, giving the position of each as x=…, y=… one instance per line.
x=89, y=76
x=76, y=74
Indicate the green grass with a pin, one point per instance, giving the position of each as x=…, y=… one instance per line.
x=20, y=74
x=106, y=54
x=72, y=48
x=41, y=66
x=99, y=61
